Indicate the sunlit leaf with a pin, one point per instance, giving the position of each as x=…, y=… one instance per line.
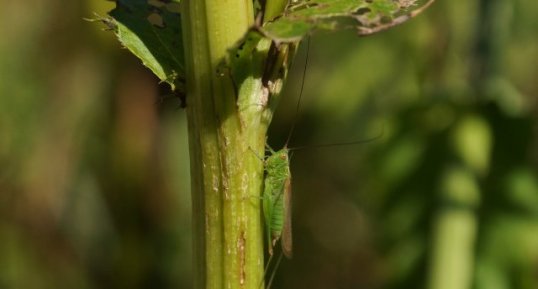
x=151, y=30
x=368, y=16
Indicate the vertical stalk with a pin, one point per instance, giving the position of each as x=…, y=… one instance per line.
x=454, y=234
x=226, y=124
x=456, y=226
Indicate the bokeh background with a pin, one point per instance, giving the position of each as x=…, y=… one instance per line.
x=94, y=180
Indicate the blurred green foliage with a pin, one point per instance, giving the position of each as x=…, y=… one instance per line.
x=94, y=164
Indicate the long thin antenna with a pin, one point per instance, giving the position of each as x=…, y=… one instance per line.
x=300, y=93
x=341, y=144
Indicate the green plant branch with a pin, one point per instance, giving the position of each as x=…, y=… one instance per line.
x=225, y=124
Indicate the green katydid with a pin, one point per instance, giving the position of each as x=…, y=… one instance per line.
x=277, y=189
x=277, y=194
x=276, y=198
x=276, y=202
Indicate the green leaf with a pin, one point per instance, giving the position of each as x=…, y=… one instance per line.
x=372, y=15
x=151, y=30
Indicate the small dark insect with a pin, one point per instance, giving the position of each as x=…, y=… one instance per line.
x=166, y=93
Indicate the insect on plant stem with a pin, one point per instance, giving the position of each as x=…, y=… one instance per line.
x=277, y=190
x=276, y=198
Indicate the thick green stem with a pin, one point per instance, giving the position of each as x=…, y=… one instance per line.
x=227, y=129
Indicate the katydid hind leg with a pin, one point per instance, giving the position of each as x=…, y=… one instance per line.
x=265, y=270
x=274, y=271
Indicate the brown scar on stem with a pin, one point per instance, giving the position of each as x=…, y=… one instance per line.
x=366, y=31
x=242, y=258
